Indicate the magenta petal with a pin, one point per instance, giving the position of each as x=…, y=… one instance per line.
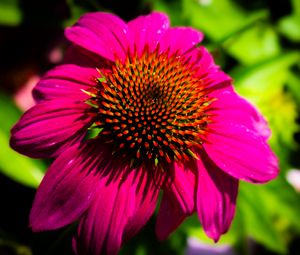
x=173, y=41
x=47, y=129
x=65, y=80
x=216, y=198
x=206, y=62
x=67, y=189
x=145, y=205
x=101, y=33
x=147, y=30
x=122, y=206
x=241, y=152
x=230, y=108
x=177, y=202
x=215, y=79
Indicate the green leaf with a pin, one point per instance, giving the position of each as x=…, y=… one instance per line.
x=290, y=27
x=10, y=12
x=257, y=222
x=14, y=165
x=244, y=35
x=270, y=74
x=218, y=19
x=296, y=6
x=254, y=45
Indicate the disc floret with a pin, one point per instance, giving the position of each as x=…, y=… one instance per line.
x=152, y=108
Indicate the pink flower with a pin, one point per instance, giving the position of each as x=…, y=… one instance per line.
x=137, y=108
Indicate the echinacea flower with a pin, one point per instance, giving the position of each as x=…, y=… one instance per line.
x=136, y=109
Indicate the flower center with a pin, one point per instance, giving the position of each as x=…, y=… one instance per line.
x=152, y=108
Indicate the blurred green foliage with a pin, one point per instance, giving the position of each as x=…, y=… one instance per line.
x=261, y=52
x=10, y=13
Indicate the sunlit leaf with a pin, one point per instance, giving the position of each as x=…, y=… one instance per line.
x=207, y=16
x=270, y=74
x=218, y=18
x=290, y=27
x=255, y=44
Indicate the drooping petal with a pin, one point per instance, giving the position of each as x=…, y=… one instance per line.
x=184, y=40
x=231, y=108
x=101, y=33
x=67, y=189
x=66, y=81
x=209, y=73
x=123, y=205
x=50, y=127
x=240, y=152
x=237, y=131
x=144, y=206
x=177, y=203
x=216, y=198
x=206, y=62
x=215, y=79
x=147, y=30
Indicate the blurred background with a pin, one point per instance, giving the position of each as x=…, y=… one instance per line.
x=257, y=42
